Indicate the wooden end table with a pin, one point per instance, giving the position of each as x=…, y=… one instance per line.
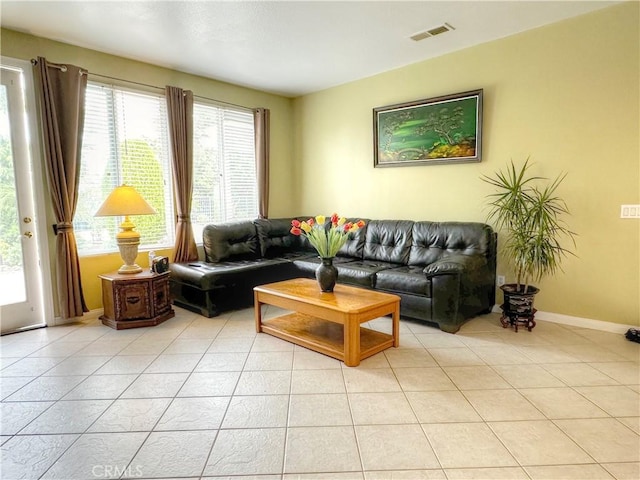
x=135, y=300
x=329, y=323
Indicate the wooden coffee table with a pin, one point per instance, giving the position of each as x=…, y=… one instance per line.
x=328, y=323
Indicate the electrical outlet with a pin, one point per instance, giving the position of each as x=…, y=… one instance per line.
x=629, y=211
x=501, y=280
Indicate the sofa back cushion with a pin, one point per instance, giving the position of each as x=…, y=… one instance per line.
x=433, y=241
x=230, y=241
x=354, y=246
x=388, y=241
x=276, y=239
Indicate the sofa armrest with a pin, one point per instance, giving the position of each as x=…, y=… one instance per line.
x=455, y=264
x=459, y=284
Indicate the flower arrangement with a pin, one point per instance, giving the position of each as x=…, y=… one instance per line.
x=327, y=241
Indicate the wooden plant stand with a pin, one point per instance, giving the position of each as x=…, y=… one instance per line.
x=514, y=319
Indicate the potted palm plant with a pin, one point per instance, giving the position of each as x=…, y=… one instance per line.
x=529, y=212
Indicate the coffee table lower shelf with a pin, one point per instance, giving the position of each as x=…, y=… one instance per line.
x=323, y=336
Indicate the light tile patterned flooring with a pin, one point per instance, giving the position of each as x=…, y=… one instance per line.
x=197, y=397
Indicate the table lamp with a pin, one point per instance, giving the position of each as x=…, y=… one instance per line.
x=125, y=201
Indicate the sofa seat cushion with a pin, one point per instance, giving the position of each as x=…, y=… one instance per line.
x=294, y=256
x=207, y=276
x=406, y=279
x=361, y=272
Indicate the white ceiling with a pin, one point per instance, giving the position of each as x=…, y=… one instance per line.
x=285, y=47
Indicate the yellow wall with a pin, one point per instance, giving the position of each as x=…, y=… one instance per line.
x=565, y=94
x=22, y=46
x=561, y=94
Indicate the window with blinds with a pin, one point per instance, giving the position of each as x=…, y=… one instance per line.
x=125, y=141
x=224, y=182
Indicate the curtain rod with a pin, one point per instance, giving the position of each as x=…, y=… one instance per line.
x=63, y=68
x=59, y=66
x=162, y=88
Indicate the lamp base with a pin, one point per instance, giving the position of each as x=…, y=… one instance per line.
x=126, y=269
x=128, y=241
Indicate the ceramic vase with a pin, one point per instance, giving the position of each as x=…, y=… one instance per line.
x=326, y=274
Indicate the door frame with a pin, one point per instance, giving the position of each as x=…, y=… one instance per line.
x=40, y=187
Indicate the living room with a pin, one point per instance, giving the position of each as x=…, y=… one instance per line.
x=565, y=94
x=547, y=83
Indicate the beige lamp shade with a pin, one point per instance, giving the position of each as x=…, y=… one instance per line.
x=125, y=201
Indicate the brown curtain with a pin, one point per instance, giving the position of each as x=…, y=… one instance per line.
x=261, y=128
x=180, y=112
x=61, y=91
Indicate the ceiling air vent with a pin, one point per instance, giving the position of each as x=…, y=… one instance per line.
x=432, y=32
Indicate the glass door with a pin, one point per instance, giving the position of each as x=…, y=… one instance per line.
x=21, y=302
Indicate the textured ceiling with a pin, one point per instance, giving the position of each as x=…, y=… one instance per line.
x=289, y=48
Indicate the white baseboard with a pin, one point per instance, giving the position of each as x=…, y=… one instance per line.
x=577, y=321
x=90, y=315
x=540, y=315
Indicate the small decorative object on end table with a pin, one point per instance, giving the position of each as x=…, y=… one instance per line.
x=135, y=300
x=327, y=238
x=160, y=264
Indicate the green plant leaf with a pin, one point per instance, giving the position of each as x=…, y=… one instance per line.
x=528, y=210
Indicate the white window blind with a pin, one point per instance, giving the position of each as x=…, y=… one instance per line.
x=224, y=185
x=125, y=141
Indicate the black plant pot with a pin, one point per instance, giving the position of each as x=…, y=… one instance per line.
x=518, y=305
